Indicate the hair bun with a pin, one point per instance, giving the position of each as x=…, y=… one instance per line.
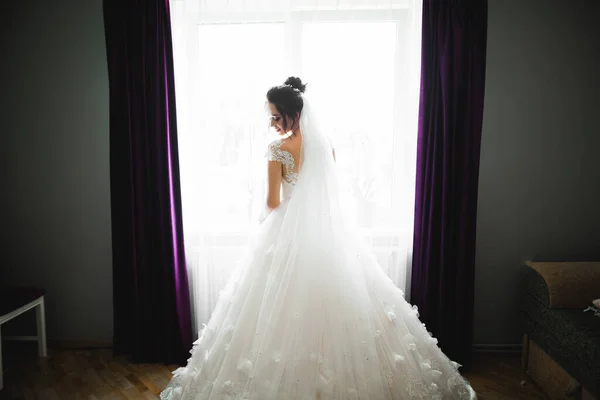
x=296, y=83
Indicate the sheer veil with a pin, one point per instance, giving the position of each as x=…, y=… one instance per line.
x=310, y=313
x=314, y=222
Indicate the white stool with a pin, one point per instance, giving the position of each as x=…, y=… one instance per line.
x=14, y=302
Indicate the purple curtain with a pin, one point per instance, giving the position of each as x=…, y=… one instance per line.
x=450, y=118
x=152, y=319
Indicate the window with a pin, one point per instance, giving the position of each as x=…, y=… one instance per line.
x=360, y=59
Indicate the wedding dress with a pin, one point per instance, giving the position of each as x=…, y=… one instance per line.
x=310, y=314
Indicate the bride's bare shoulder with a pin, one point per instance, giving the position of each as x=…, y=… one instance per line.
x=291, y=143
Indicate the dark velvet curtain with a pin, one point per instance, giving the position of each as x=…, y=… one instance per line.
x=450, y=118
x=152, y=320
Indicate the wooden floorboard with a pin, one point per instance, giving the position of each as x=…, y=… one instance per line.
x=94, y=374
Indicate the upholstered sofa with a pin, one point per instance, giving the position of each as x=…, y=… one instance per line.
x=561, y=344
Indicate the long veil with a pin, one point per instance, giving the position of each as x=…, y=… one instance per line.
x=310, y=314
x=316, y=206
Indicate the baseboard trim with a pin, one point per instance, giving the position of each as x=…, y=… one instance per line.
x=498, y=348
x=103, y=344
x=20, y=338
x=65, y=344
x=80, y=344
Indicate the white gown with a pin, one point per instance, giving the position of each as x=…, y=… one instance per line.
x=310, y=314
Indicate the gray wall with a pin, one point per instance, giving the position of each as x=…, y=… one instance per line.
x=540, y=165
x=54, y=166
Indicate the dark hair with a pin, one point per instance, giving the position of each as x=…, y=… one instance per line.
x=287, y=98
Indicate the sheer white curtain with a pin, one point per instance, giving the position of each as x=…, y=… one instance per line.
x=361, y=60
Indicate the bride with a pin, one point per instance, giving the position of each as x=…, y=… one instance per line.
x=310, y=314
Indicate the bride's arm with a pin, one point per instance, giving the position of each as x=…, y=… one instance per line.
x=275, y=169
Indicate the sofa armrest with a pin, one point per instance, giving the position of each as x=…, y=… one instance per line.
x=569, y=284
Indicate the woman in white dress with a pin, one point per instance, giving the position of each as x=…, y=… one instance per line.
x=309, y=314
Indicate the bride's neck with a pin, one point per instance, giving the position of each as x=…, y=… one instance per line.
x=293, y=132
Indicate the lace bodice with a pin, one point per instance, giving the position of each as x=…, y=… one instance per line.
x=274, y=153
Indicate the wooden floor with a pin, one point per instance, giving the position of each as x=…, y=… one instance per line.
x=94, y=374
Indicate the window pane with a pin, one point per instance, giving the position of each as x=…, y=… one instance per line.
x=236, y=64
x=350, y=69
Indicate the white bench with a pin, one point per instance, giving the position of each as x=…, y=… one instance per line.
x=16, y=301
